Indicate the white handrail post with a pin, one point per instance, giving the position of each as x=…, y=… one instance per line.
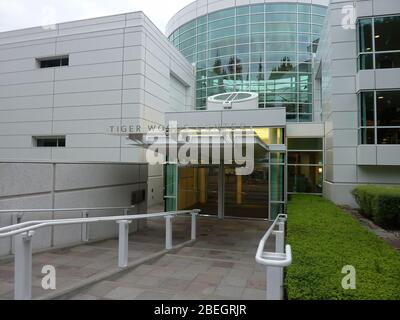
x=123, y=243
x=23, y=266
x=194, y=214
x=274, y=283
x=168, y=232
x=126, y=212
x=85, y=227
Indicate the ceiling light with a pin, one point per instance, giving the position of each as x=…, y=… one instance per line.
x=377, y=36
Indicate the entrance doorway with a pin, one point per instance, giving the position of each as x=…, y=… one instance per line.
x=247, y=196
x=198, y=188
x=241, y=196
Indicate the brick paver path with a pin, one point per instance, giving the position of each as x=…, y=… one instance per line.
x=219, y=265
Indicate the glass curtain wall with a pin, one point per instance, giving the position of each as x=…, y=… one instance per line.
x=263, y=48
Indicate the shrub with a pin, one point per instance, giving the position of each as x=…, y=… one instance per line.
x=324, y=239
x=380, y=203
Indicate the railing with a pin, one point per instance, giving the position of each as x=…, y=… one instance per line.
x=18, y=214
x=23, y=233
x=275, y=261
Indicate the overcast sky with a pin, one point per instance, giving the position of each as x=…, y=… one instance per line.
x=17, y=14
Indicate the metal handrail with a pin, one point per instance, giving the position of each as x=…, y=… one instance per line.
x=62, y=209
x=23, y=233
x=263, y=257
x=275, y=261
x=37, y=224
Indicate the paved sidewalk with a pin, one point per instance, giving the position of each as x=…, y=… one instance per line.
x=220, y=265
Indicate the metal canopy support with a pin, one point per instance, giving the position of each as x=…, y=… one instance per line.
x=23, y=266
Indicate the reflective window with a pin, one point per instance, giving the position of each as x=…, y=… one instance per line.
x=265, y=48
x=305, y=160
x=387, y=33
x=378, y=43
x=379, y=121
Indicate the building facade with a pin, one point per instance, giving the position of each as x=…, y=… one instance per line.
x=265, y=47
x=69, y=94
x=65, y=91
x=358, y=64
x=316, y=81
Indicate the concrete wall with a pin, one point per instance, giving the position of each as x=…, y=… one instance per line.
x=122, y=72
x=347, y=163
x=42, y=185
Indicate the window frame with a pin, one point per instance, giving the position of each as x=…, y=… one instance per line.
x=373, y=53
x=57, y=139
x=375, y=127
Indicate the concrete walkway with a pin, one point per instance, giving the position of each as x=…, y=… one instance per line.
x=219, y=265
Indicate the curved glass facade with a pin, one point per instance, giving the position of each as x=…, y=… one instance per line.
x=263, y=48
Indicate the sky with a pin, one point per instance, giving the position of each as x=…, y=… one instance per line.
x=18, y=14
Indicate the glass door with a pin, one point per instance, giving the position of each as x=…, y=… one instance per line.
x=198, y=189
x=247, y=196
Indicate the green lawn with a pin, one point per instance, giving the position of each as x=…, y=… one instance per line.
x=324, y=239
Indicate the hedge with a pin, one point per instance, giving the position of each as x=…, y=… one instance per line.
x=379, y=203
x=324, y=239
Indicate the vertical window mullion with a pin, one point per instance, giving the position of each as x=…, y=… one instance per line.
x=373, y=43
x=375, y=118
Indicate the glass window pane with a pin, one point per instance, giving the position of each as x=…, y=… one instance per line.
x=389, y=136
x=364, y=35
x=258, y=8
x=277, y=182
x=280, y=27
x=281, y=7
x=304, y=179
x=387, y=33
x=306, y=8
x=319, y=10
x=304, y=27
x=366, y=62
x=388, y=108
x=221, y=14
x=367, y=109
x=242, y=20
x=367, y=136
x=387, y=60
x=305, y=144
x=318, y=19
x=305, y=158
x=221, y=23
x=242, y=10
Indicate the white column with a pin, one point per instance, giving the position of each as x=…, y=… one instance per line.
x=274, y=283
x=221, y=190
x=123, y=243
x=194, y=226
x=168, y=232
x=23, y=266
x=85, y=227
